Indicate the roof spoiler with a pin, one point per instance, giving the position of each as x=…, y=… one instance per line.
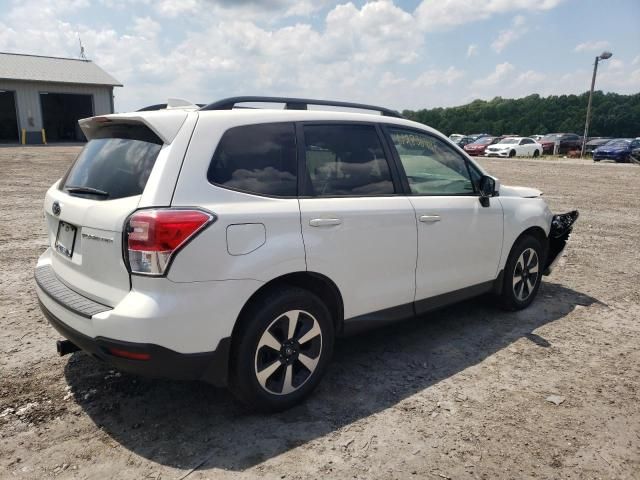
x=165, y=125
x=297, y=104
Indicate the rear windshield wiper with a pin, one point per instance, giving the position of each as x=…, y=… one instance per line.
x=89, y=190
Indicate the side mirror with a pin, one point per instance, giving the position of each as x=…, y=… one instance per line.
x=487, y=188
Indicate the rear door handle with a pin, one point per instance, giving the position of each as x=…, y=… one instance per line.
x=324, y=222
x=429, y=218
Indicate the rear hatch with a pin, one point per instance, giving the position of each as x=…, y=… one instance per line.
x=86, y=210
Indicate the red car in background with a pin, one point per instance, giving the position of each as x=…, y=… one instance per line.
x=477, y=148
x=566, y=141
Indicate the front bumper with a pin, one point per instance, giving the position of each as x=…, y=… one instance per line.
x=559, y=234
x=475, y=153
x=211, y=367
x=618, y=157
x=503, y=154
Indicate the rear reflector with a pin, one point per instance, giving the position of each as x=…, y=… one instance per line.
x=155, y=236
x=130, y=355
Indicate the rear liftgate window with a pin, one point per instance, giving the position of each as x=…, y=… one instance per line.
x=258, y=159
x=115, y=164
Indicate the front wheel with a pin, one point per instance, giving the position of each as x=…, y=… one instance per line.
x=512, y=153
x=285, y=344
x=522, y=274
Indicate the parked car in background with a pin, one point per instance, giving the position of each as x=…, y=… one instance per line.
x=478, y=147
x=635, y=150
x=567, y=141
x=618, y=149
x=456, y=137
x=476, y=136
x=594, y=143
x=465, y=141
x=537, y=138
x=514, y=147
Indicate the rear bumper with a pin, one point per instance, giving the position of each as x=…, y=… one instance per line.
x=184, y=327
x=211, y=367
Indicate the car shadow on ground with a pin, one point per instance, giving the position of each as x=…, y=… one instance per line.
x=188, y=425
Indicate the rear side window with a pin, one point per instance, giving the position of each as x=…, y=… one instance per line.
x=115, y=164
x=345, y=160
x=257, y=159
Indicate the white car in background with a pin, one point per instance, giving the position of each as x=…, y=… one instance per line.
x=514, y=147
x=456, y=137
x=234, y=245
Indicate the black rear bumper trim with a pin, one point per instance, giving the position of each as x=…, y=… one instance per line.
x=55, y=289
x=210, y=367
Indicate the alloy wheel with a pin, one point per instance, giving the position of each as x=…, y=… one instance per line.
x=288, y=352
x=525, y=274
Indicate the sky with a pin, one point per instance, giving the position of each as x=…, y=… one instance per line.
x=403, y=54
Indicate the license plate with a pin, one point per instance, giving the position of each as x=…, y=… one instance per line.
x=66, y=239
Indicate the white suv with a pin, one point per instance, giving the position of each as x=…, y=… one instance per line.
x=233, y=245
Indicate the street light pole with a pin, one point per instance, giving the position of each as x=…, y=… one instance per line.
x=602, y=56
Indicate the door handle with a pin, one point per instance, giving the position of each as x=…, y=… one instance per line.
x=429, y=218
x=324, y=222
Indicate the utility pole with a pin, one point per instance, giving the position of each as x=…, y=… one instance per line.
x=602, y=56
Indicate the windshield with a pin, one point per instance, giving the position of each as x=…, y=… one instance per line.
x=114, y=166
x=619, y=142
x=635, y=143
x=552, y=137
x=509, y=141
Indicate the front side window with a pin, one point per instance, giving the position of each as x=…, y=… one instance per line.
x=344, y=160
x=432, y=167
x=258, y=159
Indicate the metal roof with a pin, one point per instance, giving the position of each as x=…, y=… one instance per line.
x=34, y=68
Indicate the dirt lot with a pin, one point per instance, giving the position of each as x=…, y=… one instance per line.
x=461, y=394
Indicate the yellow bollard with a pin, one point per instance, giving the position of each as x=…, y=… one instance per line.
x=44, y=137
x=24, y=136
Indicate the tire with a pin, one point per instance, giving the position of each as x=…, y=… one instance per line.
x=512, y=153
x=265, y=378
x=536, y=153
x=515, y=294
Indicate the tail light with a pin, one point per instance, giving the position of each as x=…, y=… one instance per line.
x=154, y=236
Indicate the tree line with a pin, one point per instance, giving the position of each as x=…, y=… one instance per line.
x=613, y=115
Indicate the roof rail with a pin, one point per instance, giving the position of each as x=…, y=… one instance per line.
x=296, y=104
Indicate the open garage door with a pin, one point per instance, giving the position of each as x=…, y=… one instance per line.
x=9, y=132
x=60, y=115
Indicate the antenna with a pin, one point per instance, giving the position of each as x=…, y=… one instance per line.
x=82, y=54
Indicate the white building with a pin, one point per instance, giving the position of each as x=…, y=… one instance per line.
x=42, y=98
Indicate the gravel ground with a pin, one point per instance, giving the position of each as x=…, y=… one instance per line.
x=464, y=393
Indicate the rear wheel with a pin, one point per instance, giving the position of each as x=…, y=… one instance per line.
x=522, y=273
x=512, y=153
x=536, y=153
x=284, y=346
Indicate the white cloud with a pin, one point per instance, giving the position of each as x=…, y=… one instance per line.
x=434, y=77
x=374, y=52
x=438, y=14
x=592, y=46
x=146, y=27
x=501, y=71
x=517, y=30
